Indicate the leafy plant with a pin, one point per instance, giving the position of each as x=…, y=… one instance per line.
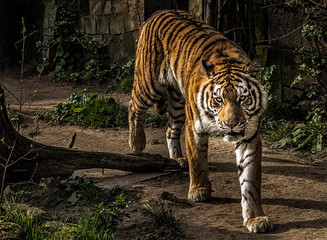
x=96, y=71
x=92, y=110
x=103, y=222
x=156, y=120
x=162, y=217
x=123, y=76
x=311, y=133
x=70, y=44
x=15, y=116
x=30, y=224
x=311, y=136
x=265, y=74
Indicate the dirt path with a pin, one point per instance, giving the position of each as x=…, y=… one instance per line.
x=294, y=186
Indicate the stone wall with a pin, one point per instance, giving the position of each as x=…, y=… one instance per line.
x=284, y=31
x=116, y=22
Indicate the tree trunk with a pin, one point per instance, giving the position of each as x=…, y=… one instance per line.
x=21, y=158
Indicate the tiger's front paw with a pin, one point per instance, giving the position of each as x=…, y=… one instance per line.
x=200, y=194
x=260, y=225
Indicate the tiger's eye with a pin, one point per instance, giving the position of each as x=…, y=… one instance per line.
x=242, y=98
x=219, y=100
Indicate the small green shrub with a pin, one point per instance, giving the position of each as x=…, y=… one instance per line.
x=162, y=217
x=309, y=136
x=103, y=222
x=96, y=71
x=156, y=120
x=31, y=225
x=125, y=85
x=81, y=188
x=123, y=76
x=15, y=116
x=92, y=110
x=74, y=51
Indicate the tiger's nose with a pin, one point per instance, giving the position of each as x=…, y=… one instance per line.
x=231, y=123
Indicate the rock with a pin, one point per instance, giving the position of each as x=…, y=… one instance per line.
x=12, y=231
x=65, y=233
x=34, y=212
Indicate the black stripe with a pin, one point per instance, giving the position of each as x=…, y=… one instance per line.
x=251, y=194
x=178, y=31
x=181, y=48
x=255, y=187
x=178, y=107
x=173, y=138
x=248, y=163
x=167, y=26
x=176, y=117
x=250, y=155
x=194, y=43
x=207, y=47
x=173, y=31
x=140, y=99
x=179, y=121
x=251, y=138
x=240, y=170
x=140, y=107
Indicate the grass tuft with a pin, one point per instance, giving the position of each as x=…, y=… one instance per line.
x=162, y=216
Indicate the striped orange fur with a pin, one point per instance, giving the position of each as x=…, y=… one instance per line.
x=207, y=84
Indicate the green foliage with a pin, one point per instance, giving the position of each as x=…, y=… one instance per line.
x=123, y=76
x=70, y=44
x=310, y=130
x=96, y=71
x=156, y=120
x=92, y=110
x=77, y=183
x=15, y=116
x=121, y=72
x=31, y=225
x=312, y=133
x=162, y=217
x=265, y=74
x=103, y=222
x=310, y=136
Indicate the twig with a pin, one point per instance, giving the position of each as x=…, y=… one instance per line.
x=284, y=36
x=12, y=94
x=6, y=167
x=22, y=40
x=72, y=140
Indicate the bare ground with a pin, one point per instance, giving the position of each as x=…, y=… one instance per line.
x=294, y=184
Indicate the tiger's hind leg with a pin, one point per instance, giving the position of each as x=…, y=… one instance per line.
x=248, y=157
x=175, y=125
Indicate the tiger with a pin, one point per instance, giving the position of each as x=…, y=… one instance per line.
x=207, y=84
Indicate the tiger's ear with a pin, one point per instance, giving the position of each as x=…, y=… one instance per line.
x=254, y=68
x=207, y=68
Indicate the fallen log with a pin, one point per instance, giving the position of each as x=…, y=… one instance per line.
x=22, y=158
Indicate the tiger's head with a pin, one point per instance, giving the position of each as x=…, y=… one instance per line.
x=231, y=98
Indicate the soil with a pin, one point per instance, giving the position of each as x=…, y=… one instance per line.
x=294, y=184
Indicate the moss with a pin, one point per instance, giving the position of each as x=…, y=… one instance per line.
x=13, y=231
x=65, y=233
